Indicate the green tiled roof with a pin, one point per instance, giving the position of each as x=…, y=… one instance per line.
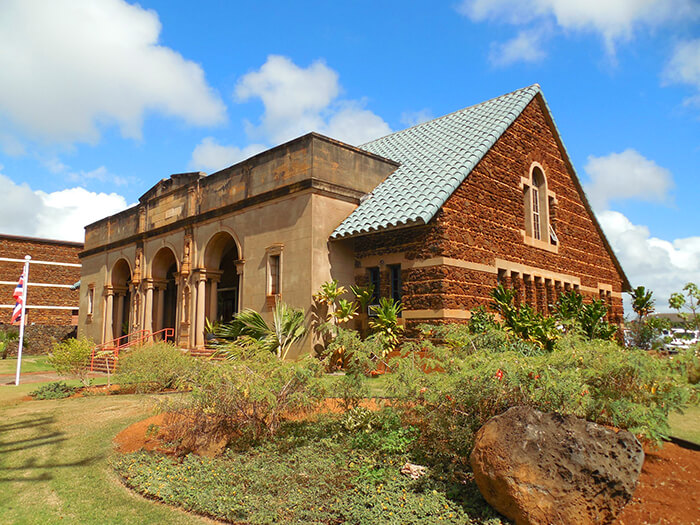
x=435, y=157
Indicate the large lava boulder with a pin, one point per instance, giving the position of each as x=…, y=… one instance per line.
x=536, y=467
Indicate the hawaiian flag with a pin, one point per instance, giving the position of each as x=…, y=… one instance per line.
x=19, y=298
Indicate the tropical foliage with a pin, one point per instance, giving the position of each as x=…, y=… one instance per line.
x=689, y=300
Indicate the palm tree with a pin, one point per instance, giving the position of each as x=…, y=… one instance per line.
x=287, y=328
x=642, y=302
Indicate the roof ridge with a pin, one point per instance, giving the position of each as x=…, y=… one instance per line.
x=435, y=158
x=536, y=86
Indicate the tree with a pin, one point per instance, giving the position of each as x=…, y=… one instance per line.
x=642, y=302
x=691, y=300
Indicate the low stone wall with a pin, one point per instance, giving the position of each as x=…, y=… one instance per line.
x=40, y=338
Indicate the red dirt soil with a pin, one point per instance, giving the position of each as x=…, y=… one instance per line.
x=668, y=492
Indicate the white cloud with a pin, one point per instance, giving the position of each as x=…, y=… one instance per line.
x=57, y=215
x=626, y=175
x=684, y=67
x=99, y=174
x=660, y=265
x=526, y=46
x=413, y=118
x=298, y=100
x=70, y=67
x=613, y=20
x=211, y=156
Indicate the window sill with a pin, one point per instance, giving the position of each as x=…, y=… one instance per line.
x=270, y=300
x=542, y=245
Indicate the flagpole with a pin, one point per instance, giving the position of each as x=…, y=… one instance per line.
x=27, y=258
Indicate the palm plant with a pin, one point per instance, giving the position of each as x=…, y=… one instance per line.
x=642, y=302
x=287, y=328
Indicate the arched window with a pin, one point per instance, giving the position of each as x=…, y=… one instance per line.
x=538, y=198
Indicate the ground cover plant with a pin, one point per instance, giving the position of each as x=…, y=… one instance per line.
x=345, y=467
x=331, y=470
x=55, y=390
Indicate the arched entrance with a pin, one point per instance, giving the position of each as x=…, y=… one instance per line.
x=220, y=259
x=121, y=287
x=164, y=272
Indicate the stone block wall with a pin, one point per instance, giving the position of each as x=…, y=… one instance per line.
x=44, y=326
x=483, y=225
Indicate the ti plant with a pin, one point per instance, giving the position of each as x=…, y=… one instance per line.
x=364, y=295
x=345, y=311
x=385, y=324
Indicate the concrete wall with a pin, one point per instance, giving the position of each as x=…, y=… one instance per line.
x=288, y=199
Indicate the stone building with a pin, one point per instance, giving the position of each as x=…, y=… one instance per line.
x=435, y=215
x=52, y=306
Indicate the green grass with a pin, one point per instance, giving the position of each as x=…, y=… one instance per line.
x=30, y=363
x=54, y=461
x=687, y=425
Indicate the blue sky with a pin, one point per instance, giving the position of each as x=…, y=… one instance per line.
x=99, y=100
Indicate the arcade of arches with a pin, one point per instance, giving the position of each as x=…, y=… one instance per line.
x=167, y=293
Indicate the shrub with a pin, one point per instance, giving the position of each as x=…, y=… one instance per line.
x=155, y=367
x=71, y=357
x=56, y=390
x=248, y=396
x=484, y=376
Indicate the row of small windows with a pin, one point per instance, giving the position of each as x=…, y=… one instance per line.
x=374, y=279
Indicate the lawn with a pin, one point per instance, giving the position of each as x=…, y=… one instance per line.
x=30, y=363
x=54, y=461
x=687, y=425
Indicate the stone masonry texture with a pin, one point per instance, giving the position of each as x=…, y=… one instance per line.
x=44, y=326
x=484, y=220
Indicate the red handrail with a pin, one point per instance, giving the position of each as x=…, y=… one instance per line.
x=131, y=339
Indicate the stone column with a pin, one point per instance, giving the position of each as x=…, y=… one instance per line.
x=212, y=299
x=109, y=301
x=160, y=308
x=201, y=304
x=549, y=287
x=120, y=313
x=557, y=290
x=529, y=291
x=517, y=283
x=541, y=296
x=148, y=308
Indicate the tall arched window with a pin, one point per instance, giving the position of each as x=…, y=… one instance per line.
x=537, y=199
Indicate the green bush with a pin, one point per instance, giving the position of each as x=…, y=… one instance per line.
x=154, y=368
x=72, y=357
x=484, y=375
x=56, y=390
x=247, y=396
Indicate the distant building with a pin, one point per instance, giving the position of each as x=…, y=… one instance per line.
x=52, y=306
x=435, y=216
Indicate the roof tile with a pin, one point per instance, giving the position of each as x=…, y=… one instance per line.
x=435, y=157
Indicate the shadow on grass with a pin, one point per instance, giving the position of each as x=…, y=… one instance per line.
x=45, y=436
x=27, y=423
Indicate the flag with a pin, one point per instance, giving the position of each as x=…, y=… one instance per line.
x=19, y=299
